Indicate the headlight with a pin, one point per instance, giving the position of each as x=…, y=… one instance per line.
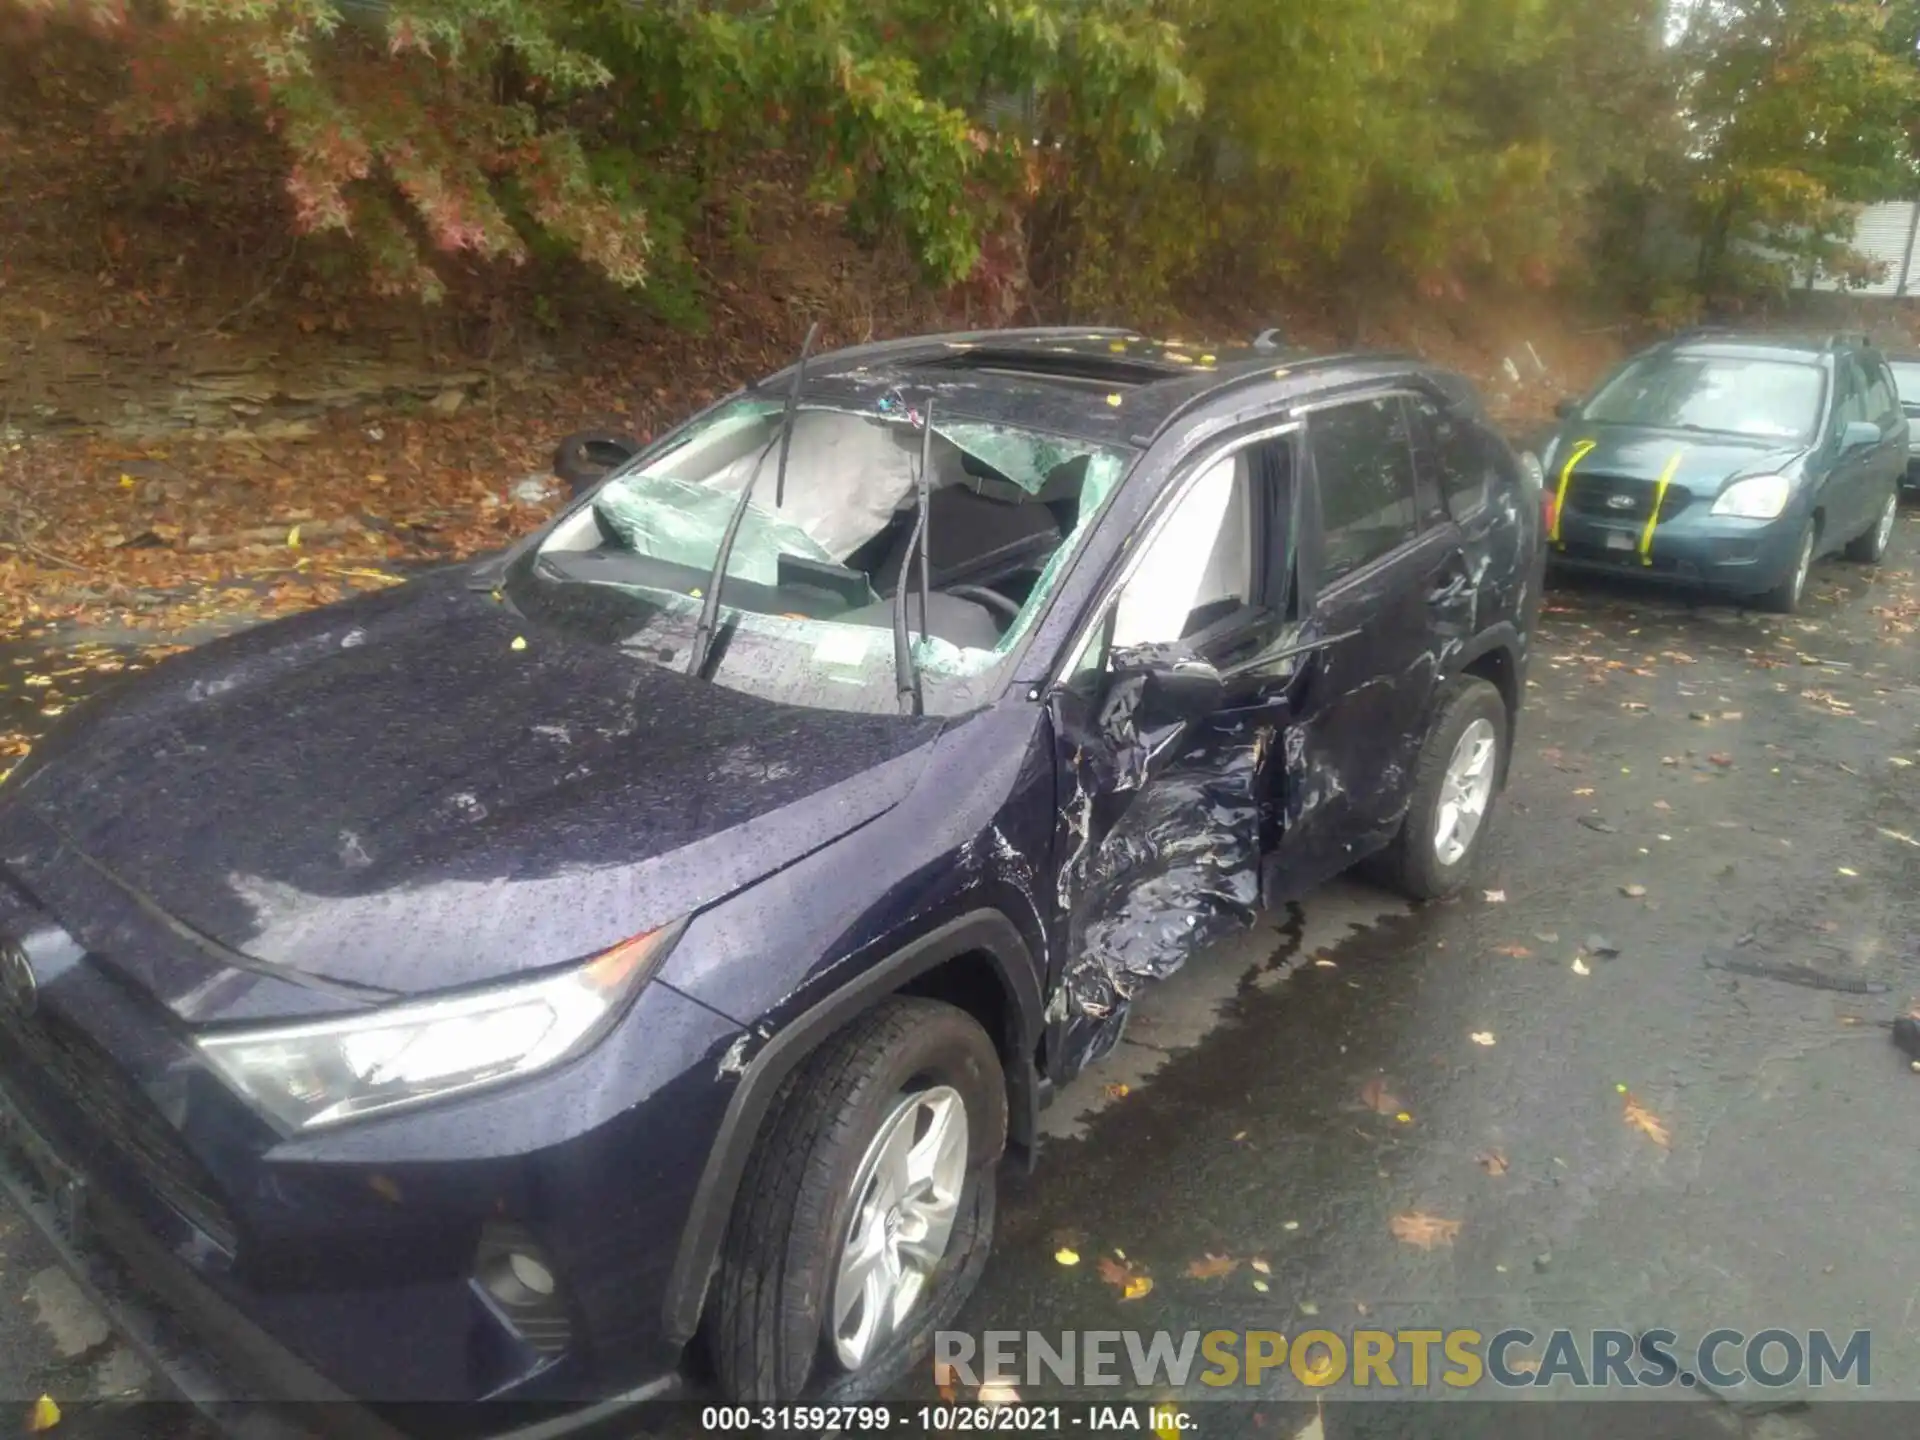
x=1761, y=498
x=314, y=1075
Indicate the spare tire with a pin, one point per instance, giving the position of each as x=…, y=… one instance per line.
x=584, y=457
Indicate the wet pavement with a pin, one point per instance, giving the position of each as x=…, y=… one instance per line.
x=1694, y=788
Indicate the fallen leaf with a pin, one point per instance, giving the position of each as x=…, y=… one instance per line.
x=1899, y=760
x=1260, y=1264
x=1645, y=1121
x=1584, y=790
x=44, y=1415
x=1262, y=1286
x=1901, y=836
x=1633, y=892
x=1136, y=1287
x=1481, y=1037
x=1496, y=897
x=1723, y=761
x=1492, y=1161
x=1377, y=1098
x=1849, y=872
x=1580, y=966
x=998, y=1394
x=1118, y=1092
x=1067, y=1257
x=293, y=538
x=1404, y=1118
x=1426, y=1231
x=1212, y=1267
x=943, y=1381
x=1114, y=1272
x=519, y=643
x=1518, y=952
x=1661, y=805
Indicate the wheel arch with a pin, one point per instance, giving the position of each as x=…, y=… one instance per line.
x=978, y=962
x=1494, y=656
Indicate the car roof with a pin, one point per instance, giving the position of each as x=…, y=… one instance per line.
x=1771, y=345
x=1112, y=386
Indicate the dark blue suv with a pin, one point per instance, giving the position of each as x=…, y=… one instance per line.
x=632, y=955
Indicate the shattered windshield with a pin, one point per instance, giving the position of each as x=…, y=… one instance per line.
x=807, y=599
x=1765, y=399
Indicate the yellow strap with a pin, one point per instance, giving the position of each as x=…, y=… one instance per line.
x=1566, y=479
x=1659, y=498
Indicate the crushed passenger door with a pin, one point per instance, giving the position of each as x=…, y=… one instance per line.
x=1164, y=729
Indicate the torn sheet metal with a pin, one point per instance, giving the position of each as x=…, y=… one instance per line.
x=1154, y=872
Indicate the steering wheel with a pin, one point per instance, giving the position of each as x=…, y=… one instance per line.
x=981, y=595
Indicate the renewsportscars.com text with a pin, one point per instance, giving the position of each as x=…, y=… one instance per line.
x=1377, y=1361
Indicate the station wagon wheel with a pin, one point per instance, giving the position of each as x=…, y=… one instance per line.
x=1456, y=778
x=1870, y=546
x=1784, y=598
x=866, y=1211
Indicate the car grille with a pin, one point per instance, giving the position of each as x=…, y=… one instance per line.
x=125, y=1121
x=1591, y=495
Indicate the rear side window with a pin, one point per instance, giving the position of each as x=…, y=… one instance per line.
x=1363, y=463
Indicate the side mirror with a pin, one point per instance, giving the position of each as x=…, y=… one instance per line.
x=583, y=459
x=1172, y=683
x=1567, y=408
x=1859, y=435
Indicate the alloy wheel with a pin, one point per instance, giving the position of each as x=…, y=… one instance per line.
x=906, y=1196
x=1464, y=792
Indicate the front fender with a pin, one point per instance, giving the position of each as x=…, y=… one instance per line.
x=986, y=933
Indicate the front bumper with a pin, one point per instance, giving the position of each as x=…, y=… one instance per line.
x=1740, y=557
x=148, y=1298
x=251, y=1271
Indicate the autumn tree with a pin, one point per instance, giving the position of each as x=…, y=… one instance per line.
x=1795, y=111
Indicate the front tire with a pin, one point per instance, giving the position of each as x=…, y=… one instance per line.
x=866, y=1211
x=1870, y=547
x=1456, y=777
x=1784, y=598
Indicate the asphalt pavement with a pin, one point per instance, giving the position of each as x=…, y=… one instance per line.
x=1631, y=1080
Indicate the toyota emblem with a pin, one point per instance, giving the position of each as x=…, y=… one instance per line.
x=19, y=991
x=1620, y=502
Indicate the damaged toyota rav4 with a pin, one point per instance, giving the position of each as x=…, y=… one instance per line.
x=631, y=957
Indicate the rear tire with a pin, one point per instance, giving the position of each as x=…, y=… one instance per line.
x=797, y=1216
x=1423, y=863
x=1870, y=546
x=1784, y=598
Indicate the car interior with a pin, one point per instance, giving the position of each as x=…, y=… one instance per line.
x=987, y=538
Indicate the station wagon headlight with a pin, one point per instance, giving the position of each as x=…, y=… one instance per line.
x=1762, y=497
x=310, y=1076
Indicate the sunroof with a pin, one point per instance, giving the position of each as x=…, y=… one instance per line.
x=1063, y=366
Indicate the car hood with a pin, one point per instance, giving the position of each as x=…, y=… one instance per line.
x=1707, y=463
x=399, y=793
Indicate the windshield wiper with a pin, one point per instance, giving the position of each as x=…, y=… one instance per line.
x=906, y=678
x=710, y=602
